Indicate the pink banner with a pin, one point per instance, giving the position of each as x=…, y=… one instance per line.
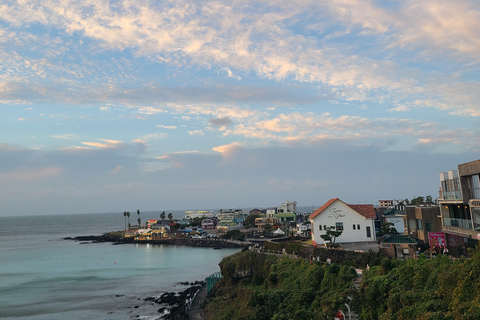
x=437, y=239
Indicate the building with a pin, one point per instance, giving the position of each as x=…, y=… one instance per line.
x=459, y=200
x=259, y=212
x=288, y=207
x=385, y=203
x=199, y=214
x=356, y=221
x=395, y=217
x=261, y=222
x=230, y=220
x=209, y=223
x=270, y=212
x=423, y=220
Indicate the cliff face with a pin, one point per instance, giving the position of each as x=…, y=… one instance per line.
x=258, y=286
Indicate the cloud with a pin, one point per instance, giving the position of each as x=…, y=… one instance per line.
x=399, y=109
x=196, y=133
x=66, y=136
x=227, y=149
x=167, y=127
x=220, y=122
x=28, y=174
x=117, y=169
x=104, y=144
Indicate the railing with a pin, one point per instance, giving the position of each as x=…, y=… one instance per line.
x=212, y=280
x=452, y=195
x=458, y=223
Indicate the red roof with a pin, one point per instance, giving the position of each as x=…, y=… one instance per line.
x=325, y=206
x=366, y=210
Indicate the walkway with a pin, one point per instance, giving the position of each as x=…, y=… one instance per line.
x=195, y=312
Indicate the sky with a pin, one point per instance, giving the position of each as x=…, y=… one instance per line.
x=110, y=106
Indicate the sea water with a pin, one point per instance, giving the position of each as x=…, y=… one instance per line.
x=45, y=277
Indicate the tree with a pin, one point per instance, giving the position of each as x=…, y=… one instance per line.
x=428, y=199
x=125, y=215
x=162, y=215
x=170, y=216
x=250, y=220
x=128, y=216
x=267, y=227
x=331, y=233
x=139, y=220
x=417, y=200
x=387, y=228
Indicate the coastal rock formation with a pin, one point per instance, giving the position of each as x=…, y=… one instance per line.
x=113, y=237
x=174, y=305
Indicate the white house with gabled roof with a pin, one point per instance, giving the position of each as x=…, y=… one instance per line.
x=355, y=220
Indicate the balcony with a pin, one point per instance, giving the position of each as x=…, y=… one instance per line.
x=457, y=223
x=452, y=195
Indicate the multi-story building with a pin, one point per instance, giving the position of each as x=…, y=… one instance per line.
x=230, y=219
x=459, y=200
x=422, y=221
x=385, y=203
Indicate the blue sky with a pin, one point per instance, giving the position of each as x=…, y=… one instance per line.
x=123, y=105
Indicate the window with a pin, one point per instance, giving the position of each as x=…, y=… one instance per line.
x=419, y=225
x=412, y=224
x=324, y=227
x=358, y=226
x=428, y=225
x=320, y=227
x=339, y=226
x=353, y=227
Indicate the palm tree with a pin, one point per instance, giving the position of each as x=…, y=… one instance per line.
x=139, y=220
x=162, y=215
x=170, y=216
x=128, y=216
x=125, y=215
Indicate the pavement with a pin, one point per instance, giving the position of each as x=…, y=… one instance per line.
x=361, y=246
x=195, y=312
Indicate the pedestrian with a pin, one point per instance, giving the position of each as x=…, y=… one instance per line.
x=329, y=261
x=445, y=250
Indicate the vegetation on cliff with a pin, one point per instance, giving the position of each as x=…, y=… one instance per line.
x=258, y=286
x=421, y=289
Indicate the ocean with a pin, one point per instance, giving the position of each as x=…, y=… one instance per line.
x=45, y=277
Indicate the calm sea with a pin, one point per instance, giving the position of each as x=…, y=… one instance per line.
x=44, y=277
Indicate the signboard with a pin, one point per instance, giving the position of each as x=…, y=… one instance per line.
x=455, y=241
x=437, y=239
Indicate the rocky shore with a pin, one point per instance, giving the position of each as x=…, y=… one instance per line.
x=175, y=305
x=208, y=243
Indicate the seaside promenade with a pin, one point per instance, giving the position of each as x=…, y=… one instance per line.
x=195, y=311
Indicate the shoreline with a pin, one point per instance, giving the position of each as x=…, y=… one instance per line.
x=200, y=243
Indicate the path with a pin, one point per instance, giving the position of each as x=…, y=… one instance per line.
x=195, y=312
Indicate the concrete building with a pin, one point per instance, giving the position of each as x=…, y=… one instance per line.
x=459, y=201
x=356, y=221
x=423, y=220
x=385, y=203
x=261, y=222
x=230, y=219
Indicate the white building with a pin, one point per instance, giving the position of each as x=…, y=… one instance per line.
x=355, y=220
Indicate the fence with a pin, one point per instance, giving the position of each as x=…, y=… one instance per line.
x=212, y=280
